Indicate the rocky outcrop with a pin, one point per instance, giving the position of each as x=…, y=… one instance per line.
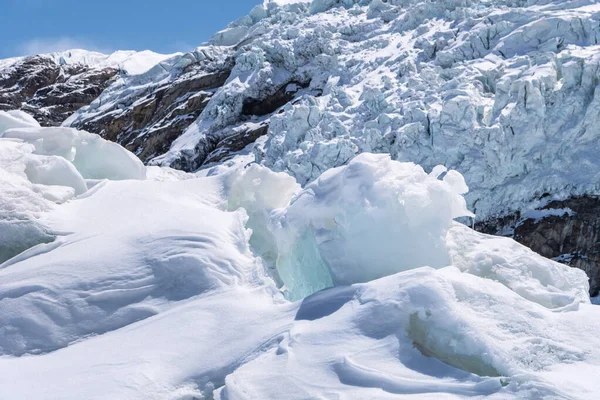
x=237, y=140
x=153, y=121
x=148, y=112
x=567, y=231
x=51, y=91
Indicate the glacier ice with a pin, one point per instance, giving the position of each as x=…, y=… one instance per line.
x=503, y=91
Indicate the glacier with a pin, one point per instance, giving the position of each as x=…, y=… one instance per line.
x=502, y=91
x=236, y=282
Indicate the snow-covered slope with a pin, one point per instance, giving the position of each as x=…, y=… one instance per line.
x=156, y=288
x=129, y=61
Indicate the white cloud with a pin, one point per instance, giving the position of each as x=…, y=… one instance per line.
x=51, y=45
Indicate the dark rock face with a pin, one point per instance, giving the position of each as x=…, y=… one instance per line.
x=49, y=91
x=271, y=103
x=567, y=231
x=151, y=123
x=237, y=140
x=147, y=113
x=221, y=144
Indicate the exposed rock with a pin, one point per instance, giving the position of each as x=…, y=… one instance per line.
x=150, y=124
x=51, y=91
x=271, y=103
x=156, y=108
x=567, y=231
x=238, y=140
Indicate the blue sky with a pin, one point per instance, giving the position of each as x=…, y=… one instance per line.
x=164, y=26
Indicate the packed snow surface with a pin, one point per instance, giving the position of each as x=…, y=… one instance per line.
x=238, y=283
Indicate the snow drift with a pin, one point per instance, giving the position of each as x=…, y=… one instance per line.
x=43, y=167
x=175, y=286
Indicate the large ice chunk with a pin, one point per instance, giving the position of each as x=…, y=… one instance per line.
x=371, y=218
x=94, y=157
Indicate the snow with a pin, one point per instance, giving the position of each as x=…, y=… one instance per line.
x=94, y=157
x=425, y=334
x=238, y=283
x=129, y=61
x=338, y=273
x=21, y=201
x=43, y=167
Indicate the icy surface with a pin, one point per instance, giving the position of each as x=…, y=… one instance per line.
x=94, y=157
x=174, y=287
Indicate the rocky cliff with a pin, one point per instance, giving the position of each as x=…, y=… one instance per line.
x=49, y=91
x=51, y=87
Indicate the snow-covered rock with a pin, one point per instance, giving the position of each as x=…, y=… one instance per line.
x=53, y=86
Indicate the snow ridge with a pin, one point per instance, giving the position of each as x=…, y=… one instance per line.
x=129, y=61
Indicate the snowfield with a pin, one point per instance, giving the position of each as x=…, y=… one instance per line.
x=128, y=282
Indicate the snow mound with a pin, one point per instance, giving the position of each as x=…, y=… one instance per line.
x=16, y=119
x=371, y=218
x=429, y=334
x=94, y=157
x=536, y=278
x=135, y=249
